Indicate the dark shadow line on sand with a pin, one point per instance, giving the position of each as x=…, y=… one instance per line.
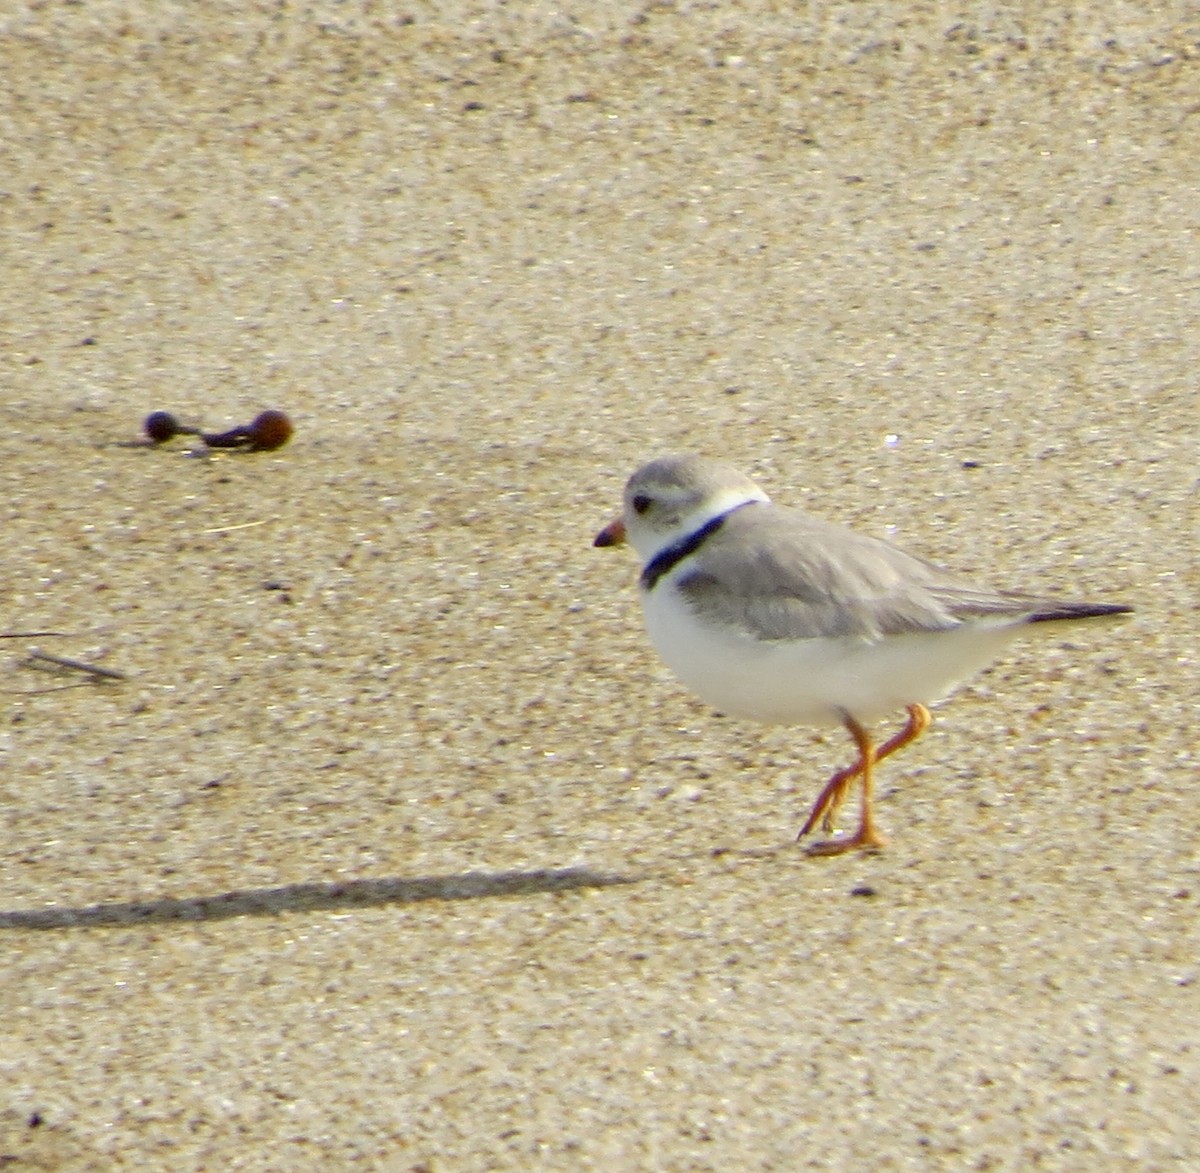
x=313, y=898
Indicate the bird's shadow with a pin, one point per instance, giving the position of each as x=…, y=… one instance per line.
x=313, y=898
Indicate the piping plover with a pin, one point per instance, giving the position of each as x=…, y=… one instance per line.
x=768, y=613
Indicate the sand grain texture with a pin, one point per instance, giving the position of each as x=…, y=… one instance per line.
x=397, y=848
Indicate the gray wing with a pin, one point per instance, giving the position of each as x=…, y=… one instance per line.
x=779, y=574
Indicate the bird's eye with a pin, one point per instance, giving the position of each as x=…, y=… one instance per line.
x=640, y=504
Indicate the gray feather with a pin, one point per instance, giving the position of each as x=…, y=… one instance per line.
x=780, y=574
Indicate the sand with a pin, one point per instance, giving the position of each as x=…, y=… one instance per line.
x=396, y=847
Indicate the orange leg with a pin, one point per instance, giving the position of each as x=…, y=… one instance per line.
x=830, y=801
x=919, y=720
x=831, y=798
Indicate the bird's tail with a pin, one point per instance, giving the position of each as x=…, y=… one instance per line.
x=1054, y=612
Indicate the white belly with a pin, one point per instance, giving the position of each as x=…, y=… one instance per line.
x=815, y=681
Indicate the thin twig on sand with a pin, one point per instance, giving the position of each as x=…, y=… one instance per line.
x=76, y=665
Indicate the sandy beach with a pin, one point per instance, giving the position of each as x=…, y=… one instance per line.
x=394, y=846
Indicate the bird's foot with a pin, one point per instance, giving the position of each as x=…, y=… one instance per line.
x=864, y=839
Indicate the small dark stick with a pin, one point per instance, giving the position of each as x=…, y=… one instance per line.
x=234, y=438
x=75, y=665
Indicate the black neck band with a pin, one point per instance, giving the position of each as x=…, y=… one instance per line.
x=666, y=560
